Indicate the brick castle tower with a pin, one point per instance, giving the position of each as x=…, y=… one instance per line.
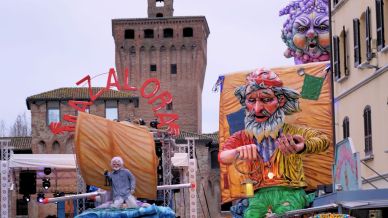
x=172, y=49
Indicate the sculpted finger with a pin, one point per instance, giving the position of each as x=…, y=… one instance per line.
x=292, y=148
x=245, y=153
x=283, y=146
x=239, y=152
x=249, y=152
x=280, y=145
x=254, y=152
x=285, y=140
x=290, y=139
x=289, y=146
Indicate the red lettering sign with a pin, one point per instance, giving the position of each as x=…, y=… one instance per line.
x=116, y=83
x=92, y=97
x=84, y=105
x=165, y=98
x=158, y=102
x=146, y=83
x=126, y=86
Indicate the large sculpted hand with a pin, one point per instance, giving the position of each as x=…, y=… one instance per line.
x=247, y=152
x=289, y=144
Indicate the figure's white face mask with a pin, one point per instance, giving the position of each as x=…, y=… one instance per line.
x=116, y=165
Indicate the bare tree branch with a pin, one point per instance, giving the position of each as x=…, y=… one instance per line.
x=21, y=126
x=3, y=129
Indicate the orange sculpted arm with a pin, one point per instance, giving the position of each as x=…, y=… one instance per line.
x=237, y=144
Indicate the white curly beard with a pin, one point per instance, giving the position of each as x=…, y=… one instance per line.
x=270, y=127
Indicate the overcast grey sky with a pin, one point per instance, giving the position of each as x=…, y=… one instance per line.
x=48, y=44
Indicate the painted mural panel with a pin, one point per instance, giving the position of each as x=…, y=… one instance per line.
x=276, y=130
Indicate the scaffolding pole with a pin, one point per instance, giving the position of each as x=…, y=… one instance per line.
x=80, y=189
x=166, y=164
x=192, y=177
x=5, y=177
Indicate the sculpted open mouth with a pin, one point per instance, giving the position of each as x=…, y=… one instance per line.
x=312, y=45
x=260, y=116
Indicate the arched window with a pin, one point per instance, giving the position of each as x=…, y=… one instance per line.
x=148, y=33
x=159, y=3
x=345, y=127
x=188, y=32
x=68, y=148
x=41, y=147
x=168, y=33
x=159, y=15
x=56, y=148
x=132, y=50
x=368, y=130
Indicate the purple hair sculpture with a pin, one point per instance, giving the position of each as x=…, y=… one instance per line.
x=306, y=31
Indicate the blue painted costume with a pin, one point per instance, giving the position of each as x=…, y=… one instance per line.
x=123, y=183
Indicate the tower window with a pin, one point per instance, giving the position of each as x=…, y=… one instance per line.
x=188, y=32
x=129, y=34
x=168, y=33
x=148, y=33
x=132, y=50
x=159, y=3
x=153, y=67
x=169, y=106
x=159, y=15
x=173, y=69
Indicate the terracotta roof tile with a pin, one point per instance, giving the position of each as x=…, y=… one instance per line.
x=76, y=93
x=18, y=143
x=213, y=136
x=202, y=137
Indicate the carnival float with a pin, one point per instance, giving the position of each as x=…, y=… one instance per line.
x=275, y=136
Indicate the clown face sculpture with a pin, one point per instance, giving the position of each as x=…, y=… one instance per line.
x=306, y=31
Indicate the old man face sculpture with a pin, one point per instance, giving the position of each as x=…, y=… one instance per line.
x=306, y=31
x=266, y=102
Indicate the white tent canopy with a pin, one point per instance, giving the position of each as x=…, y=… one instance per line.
x=40, y=161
